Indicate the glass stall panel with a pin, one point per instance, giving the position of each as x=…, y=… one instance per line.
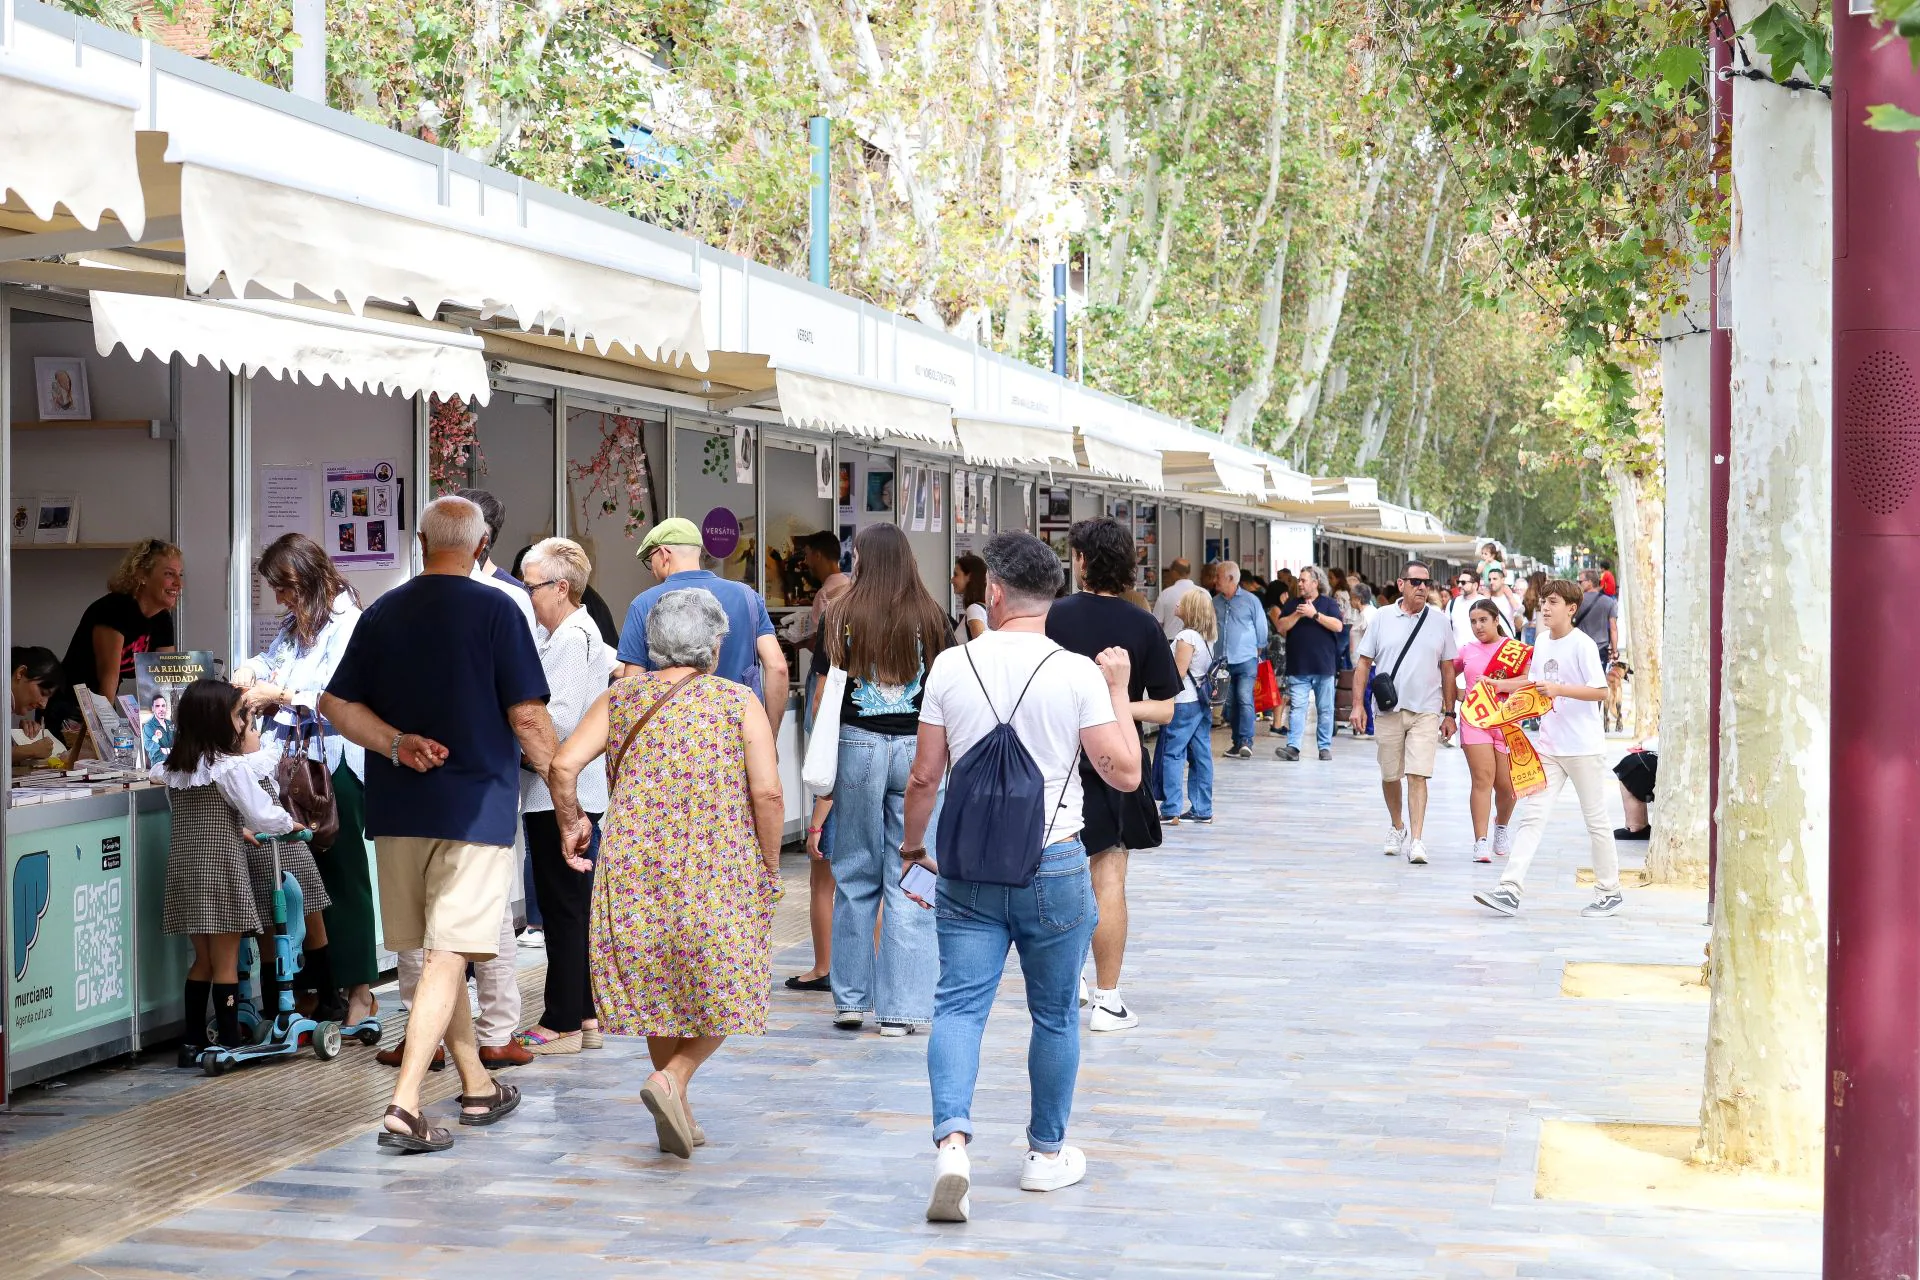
x=715, y=485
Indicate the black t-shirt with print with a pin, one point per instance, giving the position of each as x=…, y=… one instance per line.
x=892, y=710
x=140, y=634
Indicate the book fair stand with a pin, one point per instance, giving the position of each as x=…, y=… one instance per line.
x=227, y=314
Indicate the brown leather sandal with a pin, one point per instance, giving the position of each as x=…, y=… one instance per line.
x=502, y=1100
x=419, y=1137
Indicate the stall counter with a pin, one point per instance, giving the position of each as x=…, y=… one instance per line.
x=89, y=970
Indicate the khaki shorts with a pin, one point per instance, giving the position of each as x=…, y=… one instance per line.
x=443, y=895
x=1408, y=742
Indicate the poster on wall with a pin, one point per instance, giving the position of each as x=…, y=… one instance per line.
x=879, y=492
x=846, y=493
x=962, y=502
x=920, y=499
x=983, y=505
x=936, y=504
x=823, y=482
x=358, y=539
x=743, y=454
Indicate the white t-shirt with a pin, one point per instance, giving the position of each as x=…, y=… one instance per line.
x=964, y=632
x=1163, y=608
x=519, y=595
x=1070, y=695
x=1460, y=613
x=1573, y=727
x=1196, y=666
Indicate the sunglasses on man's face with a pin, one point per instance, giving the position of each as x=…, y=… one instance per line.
x=1422, y=583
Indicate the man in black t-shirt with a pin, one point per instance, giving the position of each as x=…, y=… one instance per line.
x=1094, y=619
x=1313, y=626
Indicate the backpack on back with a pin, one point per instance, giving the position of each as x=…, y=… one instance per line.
x=992, y=822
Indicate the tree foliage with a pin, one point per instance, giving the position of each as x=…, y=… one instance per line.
x=1317, y=224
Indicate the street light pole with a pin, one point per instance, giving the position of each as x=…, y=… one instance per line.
x=1872, y=1222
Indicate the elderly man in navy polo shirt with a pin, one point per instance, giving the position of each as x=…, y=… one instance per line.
x=749, y=655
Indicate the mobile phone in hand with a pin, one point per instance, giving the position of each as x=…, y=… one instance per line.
x=919, y=882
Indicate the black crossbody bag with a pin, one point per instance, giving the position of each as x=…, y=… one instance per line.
x=1385, y=696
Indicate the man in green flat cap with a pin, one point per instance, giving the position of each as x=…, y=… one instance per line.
x=749, y=655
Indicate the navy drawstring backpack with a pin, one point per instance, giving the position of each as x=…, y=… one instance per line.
x=991, y=822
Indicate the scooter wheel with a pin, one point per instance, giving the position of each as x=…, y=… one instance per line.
x=368, y=1036
x=326, y=1041
x=212, y=1064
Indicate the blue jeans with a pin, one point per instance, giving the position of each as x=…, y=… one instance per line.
x=1185, y=744
x=1240, y=699
x=1050, y=923
x=869, y=821
x=1298, y=688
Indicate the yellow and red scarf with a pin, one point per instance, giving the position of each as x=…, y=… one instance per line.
x=1485, y=709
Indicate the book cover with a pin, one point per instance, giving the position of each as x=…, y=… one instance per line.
x=158, y=681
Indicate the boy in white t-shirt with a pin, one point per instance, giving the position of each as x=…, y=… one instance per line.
x=1572, y=745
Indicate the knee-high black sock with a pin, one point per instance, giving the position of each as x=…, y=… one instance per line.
x=226, y=1012
x=196, y=1002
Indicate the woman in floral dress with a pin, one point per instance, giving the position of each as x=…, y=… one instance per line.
x=689, y=869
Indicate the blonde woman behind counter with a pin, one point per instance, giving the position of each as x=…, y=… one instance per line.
x=133, y=617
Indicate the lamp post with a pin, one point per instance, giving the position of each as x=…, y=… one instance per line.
x=1873, y=946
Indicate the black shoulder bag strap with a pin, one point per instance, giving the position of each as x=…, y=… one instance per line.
x=1394, y=675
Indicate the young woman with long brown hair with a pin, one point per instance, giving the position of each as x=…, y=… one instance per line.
x=884, y=632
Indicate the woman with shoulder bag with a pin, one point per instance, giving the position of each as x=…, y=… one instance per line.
x=285, y=681
x=884, y=634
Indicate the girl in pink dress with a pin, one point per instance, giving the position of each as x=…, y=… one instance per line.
x=1486, y=748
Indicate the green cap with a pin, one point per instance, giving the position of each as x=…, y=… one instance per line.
x=676, y=531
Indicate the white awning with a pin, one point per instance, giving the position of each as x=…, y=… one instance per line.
x=1105, y=455
x=62, y=143
x=991, y=441
x=285, y=238
x=1285, y=485
x=285, y=339
x=1201, y=464
x=828, y=403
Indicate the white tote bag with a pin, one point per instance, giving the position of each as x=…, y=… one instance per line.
x=822, y=763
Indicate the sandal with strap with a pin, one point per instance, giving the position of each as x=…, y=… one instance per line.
x=420, y=1136
x=503, y=1099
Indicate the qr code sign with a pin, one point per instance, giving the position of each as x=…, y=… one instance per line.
x=99, y=945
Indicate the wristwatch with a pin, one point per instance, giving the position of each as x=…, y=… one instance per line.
x=393, y=752
x=919, y=852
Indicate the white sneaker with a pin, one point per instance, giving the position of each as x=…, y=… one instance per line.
x=1417, y=853
x=1502, y=840
x=1050, y=1173
x=952, y=1179
x=1396, y=842
x=1115, y=1018
x=534, y=937
x=849, y=1019
x=1483, y=850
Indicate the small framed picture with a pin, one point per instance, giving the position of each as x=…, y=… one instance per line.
x=60, y=386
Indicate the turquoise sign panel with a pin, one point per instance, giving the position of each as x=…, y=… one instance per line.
x=69, y=912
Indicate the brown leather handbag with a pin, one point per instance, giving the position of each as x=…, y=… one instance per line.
x=306, y=788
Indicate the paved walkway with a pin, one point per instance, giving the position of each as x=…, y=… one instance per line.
x=1341, y=1070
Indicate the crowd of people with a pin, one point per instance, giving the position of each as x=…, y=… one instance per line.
x=987, y=777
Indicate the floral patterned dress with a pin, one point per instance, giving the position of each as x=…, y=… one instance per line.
x=682, y=922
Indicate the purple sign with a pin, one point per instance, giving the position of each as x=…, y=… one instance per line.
x=720, y=533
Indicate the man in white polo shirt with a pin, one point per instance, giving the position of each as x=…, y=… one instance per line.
x=1412, y=643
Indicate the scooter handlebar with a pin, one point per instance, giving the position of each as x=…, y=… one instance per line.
x=302, y=834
